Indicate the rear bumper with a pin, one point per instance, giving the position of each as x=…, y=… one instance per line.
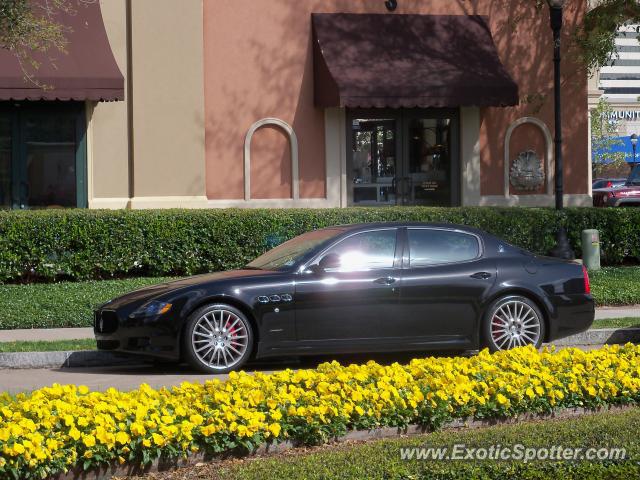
x=116, y=331
x=617, y=201
x=573, y=314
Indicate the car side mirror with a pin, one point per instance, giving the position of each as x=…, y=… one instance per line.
x=330, y=260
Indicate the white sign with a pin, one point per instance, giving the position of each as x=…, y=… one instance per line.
x=624, y=115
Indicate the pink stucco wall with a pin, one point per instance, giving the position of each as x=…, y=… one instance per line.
x=258, y=63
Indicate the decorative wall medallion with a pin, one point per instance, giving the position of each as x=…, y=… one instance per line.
x=526, y=171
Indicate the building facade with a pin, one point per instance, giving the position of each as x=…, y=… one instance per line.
x=312, y=103
x=618, y=83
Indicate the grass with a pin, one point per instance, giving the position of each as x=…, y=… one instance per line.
x=70, y=304
x=616, y=285
x=56, y=346
x=64, y=304
x=617, y=322
x=381, y=459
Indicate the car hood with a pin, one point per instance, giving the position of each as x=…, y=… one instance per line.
x=146, y=293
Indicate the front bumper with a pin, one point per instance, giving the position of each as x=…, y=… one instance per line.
x=116, y=330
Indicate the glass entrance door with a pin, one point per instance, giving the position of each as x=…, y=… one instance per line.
x=404, y=157
x=373, y=160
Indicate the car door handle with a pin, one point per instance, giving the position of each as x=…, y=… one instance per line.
x=385, y=280
x=481, y=275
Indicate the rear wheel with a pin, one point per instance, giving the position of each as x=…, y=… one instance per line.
x=513, y=321
x=218, y=339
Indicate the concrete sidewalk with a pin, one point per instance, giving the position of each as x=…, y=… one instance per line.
x=53, y=334
x=617, y=312
x=45, y=334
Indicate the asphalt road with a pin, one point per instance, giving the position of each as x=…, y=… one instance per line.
x=130, y=377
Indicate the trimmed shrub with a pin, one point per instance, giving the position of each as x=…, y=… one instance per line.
x=94, y=244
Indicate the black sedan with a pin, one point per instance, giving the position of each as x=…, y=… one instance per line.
x=356, y=288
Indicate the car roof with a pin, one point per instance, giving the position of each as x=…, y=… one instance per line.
x=373, y=225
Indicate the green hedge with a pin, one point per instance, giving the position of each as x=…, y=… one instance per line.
x=90, y=244
x=61, y=304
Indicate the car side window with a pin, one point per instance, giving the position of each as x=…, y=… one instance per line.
x=434, y=247
x=365, y=251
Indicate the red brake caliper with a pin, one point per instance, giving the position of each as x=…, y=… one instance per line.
x=232, y=333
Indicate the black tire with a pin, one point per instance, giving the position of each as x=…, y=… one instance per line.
x=493, y=327
x=215, y=314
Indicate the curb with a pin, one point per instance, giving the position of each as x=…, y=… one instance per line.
x=97, y=358
x=601, y=336
x=267, y=449
x=83, y=358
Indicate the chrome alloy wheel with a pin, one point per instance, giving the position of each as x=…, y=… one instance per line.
x=515, y=324
x=220, y=339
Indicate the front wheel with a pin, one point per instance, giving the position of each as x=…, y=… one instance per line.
x=513, y=321
x=217, y=339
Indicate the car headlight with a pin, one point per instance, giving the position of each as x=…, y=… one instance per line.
x=152, y=309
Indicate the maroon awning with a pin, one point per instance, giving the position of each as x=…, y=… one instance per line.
x=391, y=60
x=87, y=71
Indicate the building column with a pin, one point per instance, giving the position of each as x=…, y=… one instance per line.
x=470, y=155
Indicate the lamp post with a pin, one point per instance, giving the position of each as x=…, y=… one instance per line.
x=555, y=12
x=562, y=248
x=634, y=142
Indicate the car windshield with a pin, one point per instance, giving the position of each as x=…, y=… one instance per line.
x=290, y=252
x=634, y=176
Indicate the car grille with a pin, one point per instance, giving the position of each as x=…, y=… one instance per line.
x=105, y=321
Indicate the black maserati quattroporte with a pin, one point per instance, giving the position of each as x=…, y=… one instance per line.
x=356, y=288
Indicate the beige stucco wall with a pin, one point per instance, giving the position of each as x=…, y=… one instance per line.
x=168, y=103
x=107, y=157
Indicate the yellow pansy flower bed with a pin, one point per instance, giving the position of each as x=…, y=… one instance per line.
x=60, y=427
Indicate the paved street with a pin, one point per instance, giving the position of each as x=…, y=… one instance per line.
x=128, y=378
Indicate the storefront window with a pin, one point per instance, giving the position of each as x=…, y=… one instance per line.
x=374, y=160
x=430, y=161
x=42, y=155
x=404, y=157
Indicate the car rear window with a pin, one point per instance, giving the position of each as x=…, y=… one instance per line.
x=432, y=247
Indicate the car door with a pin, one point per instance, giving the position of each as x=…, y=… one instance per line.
x=347, y=303
x=445, y=276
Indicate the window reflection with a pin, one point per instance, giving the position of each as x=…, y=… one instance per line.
x=406, y=159
x=51, y=160
x=366, y=251
x=39, y=154
x=373, y=160
x=432, y=247
x=430, y=161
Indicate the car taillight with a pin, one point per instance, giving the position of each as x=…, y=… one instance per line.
x=609, y=185
x=587, y=285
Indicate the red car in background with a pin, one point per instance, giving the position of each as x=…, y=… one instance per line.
x=608, y=183
x=627, y=195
